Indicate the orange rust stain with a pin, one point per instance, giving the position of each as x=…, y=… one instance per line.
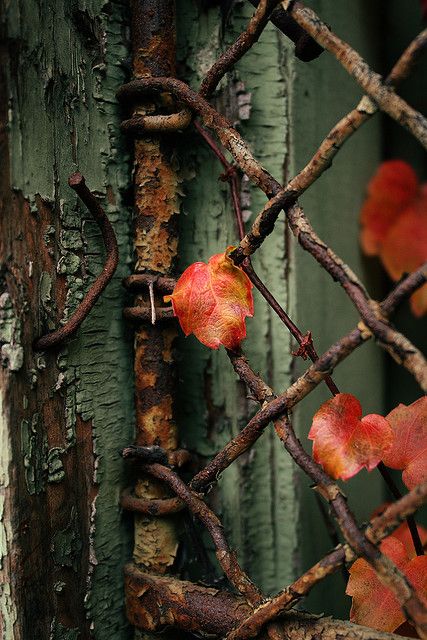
x=155, y=256
x=146, y=487
x=156, y=203
x=159, y=48
x=148, y=379
x=156, y=543
x=156, y=427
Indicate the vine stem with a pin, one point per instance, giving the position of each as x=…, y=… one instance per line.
x=304, y=340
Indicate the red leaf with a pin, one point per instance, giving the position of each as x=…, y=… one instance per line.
x=212, y=301
x=409, y=450
x=344, y=442
x=390, y=191
x=394, y=223
x=373, y=604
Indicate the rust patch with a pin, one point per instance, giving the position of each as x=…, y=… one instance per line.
x=156, y=203
x=156, y=542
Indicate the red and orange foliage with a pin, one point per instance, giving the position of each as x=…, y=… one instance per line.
x=409, y=450
x=343, y=441
x=212, y=301
x=373, y=604
x=394, y=224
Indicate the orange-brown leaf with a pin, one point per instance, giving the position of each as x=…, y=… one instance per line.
x=343, y=441
x=394, y=224
x=373, y=604
x=409, y=450
x=212, y=301
x=390, y=191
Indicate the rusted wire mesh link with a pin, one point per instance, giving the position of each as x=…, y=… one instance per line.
x=140, y=281
x=304, y=340
x=306, y=49
x=329, y=147
x=351, y=122
x=238, y=49
x=376, y=531
x=143, y=282
x=361, y=546
x=144, y=313
x=226, y=557
x=150, y=506
x=176, y=458
x=140, y=125
x=58, y=337
x=157, y=602
x=371, y=82
x=313, y=376
x=403, y=351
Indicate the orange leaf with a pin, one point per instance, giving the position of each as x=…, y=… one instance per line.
x=373, y=604
x=343, y=441
x=390, y=191
x=409, y=450
x=403, y=534
x=394, y=224
x=212, y=301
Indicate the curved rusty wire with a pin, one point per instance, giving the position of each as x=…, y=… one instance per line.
x=58, y=337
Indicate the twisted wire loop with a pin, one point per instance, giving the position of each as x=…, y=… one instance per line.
x=60, y=336
x=139, y=125
x=256, y=613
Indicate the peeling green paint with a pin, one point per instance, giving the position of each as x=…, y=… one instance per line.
x=71, y=65
x=67, y=544
x=12, y=354
x=59, y=632
x=257, y=494
x=55, y=466
x=34, y=453
x=70, y=69
x=8, y=613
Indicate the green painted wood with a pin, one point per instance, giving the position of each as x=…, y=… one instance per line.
x=64, y=69
x=269, y=510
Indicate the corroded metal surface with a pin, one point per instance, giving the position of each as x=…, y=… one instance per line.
x=155, y=244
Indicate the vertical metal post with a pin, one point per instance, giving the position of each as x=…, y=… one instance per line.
x=155, y=243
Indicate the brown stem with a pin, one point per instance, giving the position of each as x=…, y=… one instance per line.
x=307, y=347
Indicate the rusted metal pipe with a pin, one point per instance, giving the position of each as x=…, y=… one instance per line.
x=155, y=245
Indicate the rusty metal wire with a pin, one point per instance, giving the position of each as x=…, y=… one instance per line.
x=58, y=337
x=374, y=318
